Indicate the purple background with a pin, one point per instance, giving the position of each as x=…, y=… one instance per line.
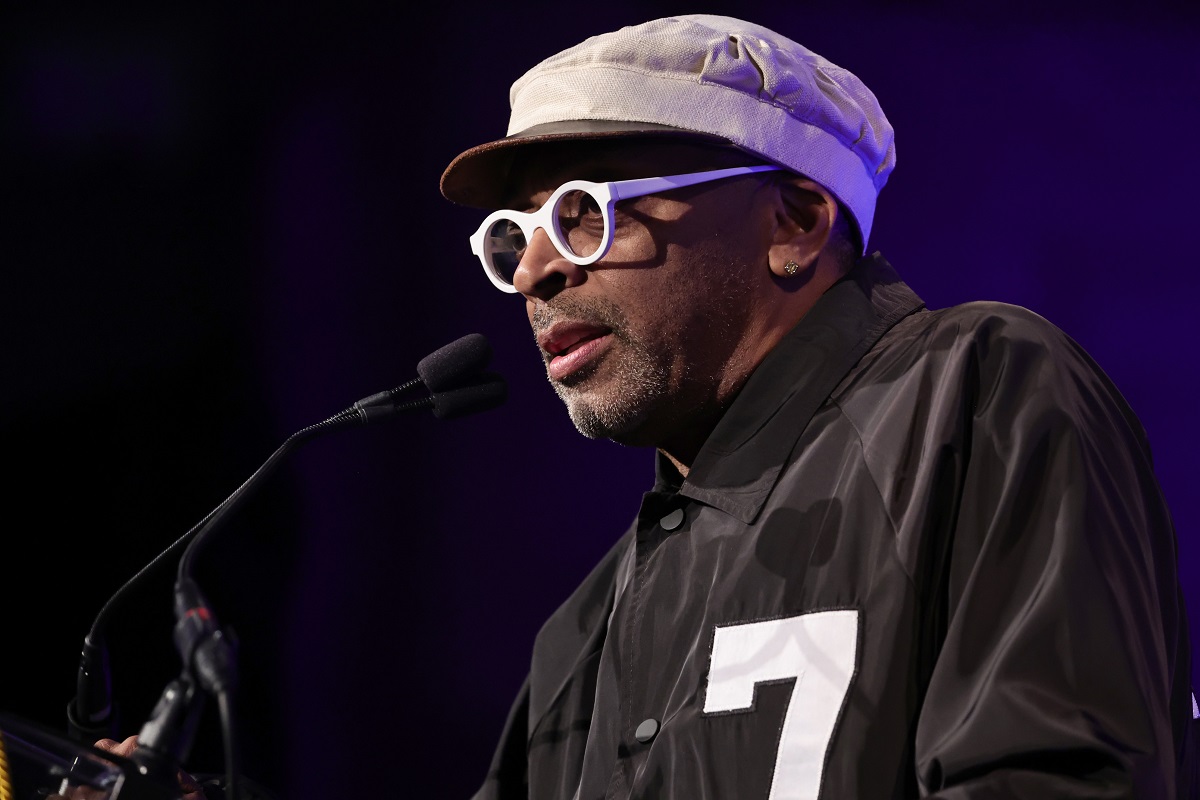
x=219, y=228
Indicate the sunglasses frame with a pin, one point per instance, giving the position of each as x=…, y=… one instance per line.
x=607, y=194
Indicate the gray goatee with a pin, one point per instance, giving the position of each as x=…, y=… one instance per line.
x=634, y=378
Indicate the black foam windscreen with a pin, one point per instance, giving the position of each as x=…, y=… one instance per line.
x=455, y=363
x=490, y=392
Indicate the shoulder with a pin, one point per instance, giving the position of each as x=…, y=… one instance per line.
x=1025, y=361
x=991, y=360
x=975, y=342
x=987, y=321
x=993, y=341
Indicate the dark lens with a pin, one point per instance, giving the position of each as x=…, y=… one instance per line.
x=504, y=245
x=580, y=222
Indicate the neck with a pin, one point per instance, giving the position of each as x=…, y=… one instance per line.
x=679, y=465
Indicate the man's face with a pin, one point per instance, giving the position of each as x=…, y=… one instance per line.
x=649, y=344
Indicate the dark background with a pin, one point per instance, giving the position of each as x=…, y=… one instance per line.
x=220, y=226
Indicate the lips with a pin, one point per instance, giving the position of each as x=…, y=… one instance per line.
x=571, y=346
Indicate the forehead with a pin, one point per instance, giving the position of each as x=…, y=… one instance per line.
x=541, y=169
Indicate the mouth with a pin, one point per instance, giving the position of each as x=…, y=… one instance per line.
x=570, y=347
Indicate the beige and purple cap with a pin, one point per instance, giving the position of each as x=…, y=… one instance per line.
x=700, y=76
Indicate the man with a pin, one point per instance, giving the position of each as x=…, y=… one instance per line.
x=891, y=552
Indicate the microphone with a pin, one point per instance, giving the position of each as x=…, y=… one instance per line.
x=449, y=365
x=488, y=392
x=457, y=385
x=444, y=372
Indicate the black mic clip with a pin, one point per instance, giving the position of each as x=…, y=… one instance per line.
x=206, y=650
x=165, y=739
x=209, y=668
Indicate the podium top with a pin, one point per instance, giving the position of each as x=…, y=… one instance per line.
x=37, y=762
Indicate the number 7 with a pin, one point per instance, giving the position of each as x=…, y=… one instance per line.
x=819, y=650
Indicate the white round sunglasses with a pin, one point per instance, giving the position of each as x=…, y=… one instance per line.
x=578, y=218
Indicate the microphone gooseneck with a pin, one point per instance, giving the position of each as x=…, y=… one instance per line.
x=456, y=385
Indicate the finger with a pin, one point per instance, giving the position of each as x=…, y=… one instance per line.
x=122, y=748
x=188, y=784
x=190, y=787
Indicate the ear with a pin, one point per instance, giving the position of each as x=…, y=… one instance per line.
x=804, y=219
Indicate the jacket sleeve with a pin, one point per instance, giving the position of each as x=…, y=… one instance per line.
x=555, y=701
x=506, y=778
x=1064, y=671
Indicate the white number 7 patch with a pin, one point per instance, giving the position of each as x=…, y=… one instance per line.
x=818, y=650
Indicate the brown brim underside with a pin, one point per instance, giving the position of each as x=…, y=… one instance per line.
x=479, y=177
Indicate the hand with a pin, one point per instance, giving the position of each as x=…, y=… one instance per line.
x=188, y=786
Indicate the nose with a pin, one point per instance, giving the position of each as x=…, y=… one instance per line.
x=543, y=271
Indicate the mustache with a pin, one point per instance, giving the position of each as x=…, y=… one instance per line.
x=570, y=309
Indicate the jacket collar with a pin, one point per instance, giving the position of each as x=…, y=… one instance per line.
x=738, y=465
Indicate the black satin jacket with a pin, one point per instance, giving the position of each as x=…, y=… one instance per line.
x=923, y=554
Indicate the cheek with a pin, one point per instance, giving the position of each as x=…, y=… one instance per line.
x=697, y=285
x=634, y=247
x=678, y=291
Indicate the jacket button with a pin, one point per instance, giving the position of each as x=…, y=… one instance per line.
x=672, y=521
x=647, y=730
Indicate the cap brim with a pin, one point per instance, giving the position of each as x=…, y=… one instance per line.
x=479, y=177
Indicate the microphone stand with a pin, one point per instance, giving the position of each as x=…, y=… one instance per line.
x=205, y=649
x=207, y=652
x=457, y=384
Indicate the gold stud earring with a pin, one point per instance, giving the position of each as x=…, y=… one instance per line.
x=790, y=268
